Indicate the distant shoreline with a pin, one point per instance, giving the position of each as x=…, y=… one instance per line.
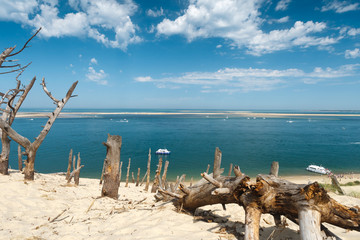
x=227, y=113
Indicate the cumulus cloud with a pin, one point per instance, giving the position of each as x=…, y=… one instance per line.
x=340, y=6
x=93, y=61
x=97, y=77
x=250, y=79
x=91, y=18
x=282, y=5
x=239, y=21
x=352, y=53
x=155, y=13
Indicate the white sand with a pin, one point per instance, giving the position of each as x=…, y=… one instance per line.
x=28, y=208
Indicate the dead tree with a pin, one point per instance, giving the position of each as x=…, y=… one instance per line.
x=307, y=205
x=9, y=99
x=111, y=167
x=32, y=147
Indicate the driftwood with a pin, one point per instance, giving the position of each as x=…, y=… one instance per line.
x=112, y=161
x=308, y=205
x=163, y=178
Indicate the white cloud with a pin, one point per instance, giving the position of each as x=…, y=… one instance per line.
x=239, y=21
x=91, y=18
x=352, y=53
x=93, y=61
x=282, y=5
x=155, y=13
x=250, y=79
x=97, y=77
x=353, y=31
x=340, y=6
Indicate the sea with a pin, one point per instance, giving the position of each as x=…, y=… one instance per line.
x=253, y=143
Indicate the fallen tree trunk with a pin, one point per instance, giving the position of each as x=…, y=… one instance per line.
x=308, y=205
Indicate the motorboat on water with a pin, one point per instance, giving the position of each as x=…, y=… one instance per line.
x=162, y=151
x=318, y=169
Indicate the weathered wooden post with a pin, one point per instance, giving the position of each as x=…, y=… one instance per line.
x=274, y=169
x=132, y=177
x=77, y=174
x=120, y=173
x=138, y=177
x=112, y=162
x=127, y=174
x=69, y=165
x=157, y=176
x=230, y=169
x=163, y=178
x=148, y=172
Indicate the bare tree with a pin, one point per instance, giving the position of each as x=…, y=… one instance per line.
x=11, y=101
x=32, y=147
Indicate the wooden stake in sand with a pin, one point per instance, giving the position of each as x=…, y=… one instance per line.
x=112, y=162
x=148, y=172
x=163, y=179
x=138, y=177
x=230, y=170
x=77, y=174
x=120, y=173
x=69, y=165
x=208, y=168
x=127, y=174
x=274, y=170
x=157, y=175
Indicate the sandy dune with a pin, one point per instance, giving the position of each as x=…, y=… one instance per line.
x=48, y=208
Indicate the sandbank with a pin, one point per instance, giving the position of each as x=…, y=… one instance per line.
x=215, y=113
x=48, y=208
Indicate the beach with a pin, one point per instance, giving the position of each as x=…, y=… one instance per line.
x=49, y=208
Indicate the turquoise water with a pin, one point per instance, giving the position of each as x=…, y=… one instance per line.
x=253, y=144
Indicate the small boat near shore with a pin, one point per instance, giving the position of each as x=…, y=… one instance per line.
x=318, y=169
x=162, y=151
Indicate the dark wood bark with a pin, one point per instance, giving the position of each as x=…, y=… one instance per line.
x=112, y=163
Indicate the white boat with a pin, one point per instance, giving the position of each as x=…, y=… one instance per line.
x=318, y=169
x=162, y=151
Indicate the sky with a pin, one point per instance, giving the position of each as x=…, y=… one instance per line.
x=195, y=54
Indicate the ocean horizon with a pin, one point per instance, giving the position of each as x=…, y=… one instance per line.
x=295, y=139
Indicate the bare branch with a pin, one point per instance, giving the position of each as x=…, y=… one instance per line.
x=175, y=195
x=23, y=141
x=47, y=91
x=10, y=55
x=5, y=54
x=16, y=70
x=211, y=180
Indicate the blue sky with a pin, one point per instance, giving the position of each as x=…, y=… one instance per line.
x=227, y=54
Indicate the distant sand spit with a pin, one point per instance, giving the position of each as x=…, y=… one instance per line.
x=227, y=113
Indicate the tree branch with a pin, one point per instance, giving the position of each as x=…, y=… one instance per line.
x=47, y=91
